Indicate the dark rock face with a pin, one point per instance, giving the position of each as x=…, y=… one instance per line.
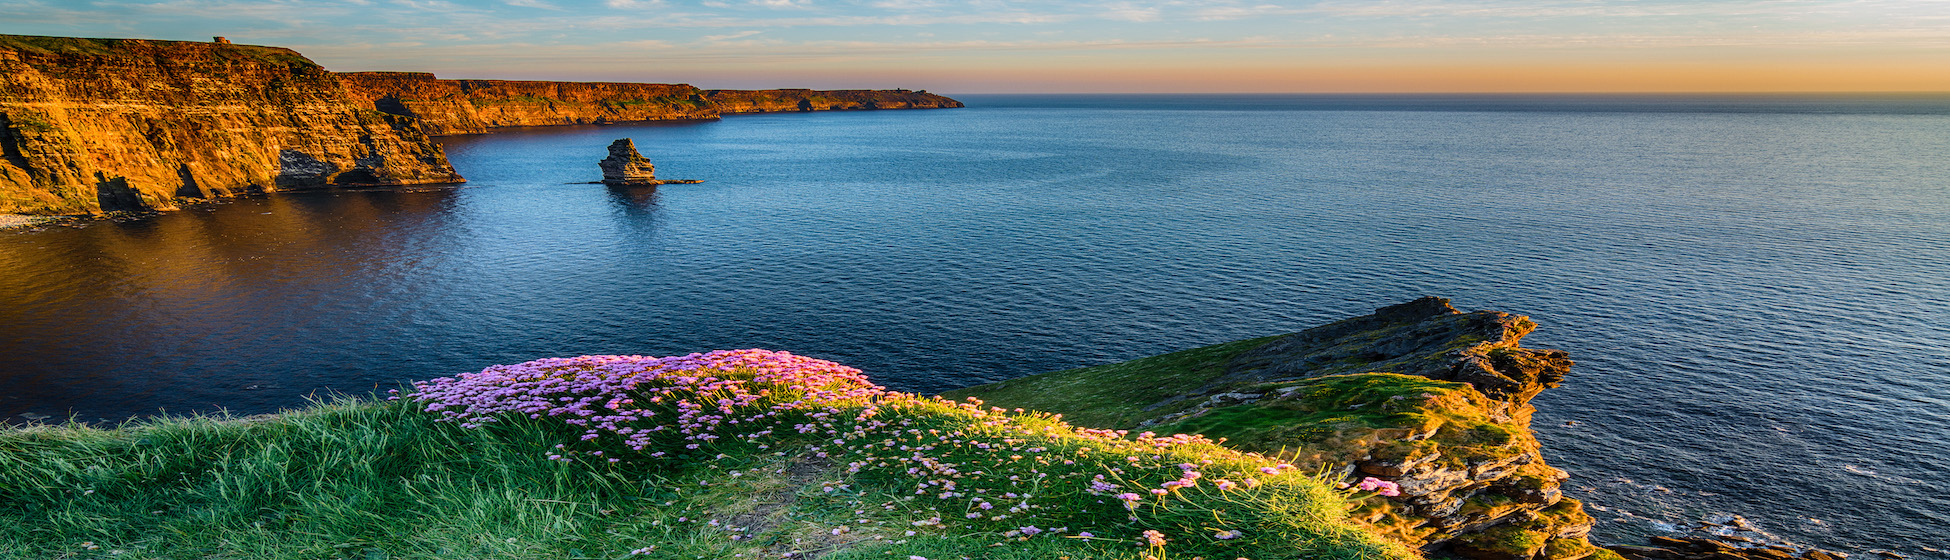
x=625, y=166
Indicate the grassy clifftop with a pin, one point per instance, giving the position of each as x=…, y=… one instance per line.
x=739, y=458
x=748, y=454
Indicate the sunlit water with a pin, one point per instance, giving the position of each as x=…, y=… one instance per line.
x=1757, y=291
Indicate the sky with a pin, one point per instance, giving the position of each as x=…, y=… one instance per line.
x=1086, y=46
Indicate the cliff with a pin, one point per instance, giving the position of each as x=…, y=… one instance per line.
x=1419, y=394
x=477, y=106
x=790, y=100
x=102, y=125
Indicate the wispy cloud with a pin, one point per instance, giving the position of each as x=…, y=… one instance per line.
x=538, y=4
x=740, y=34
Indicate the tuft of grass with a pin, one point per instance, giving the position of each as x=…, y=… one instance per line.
x=341, y=480
x=1120, y=395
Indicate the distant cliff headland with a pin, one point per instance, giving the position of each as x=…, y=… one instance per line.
x=89, y=126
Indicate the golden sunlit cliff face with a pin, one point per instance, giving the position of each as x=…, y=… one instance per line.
x=103, y=125
x=477, y=106
x=474, y=106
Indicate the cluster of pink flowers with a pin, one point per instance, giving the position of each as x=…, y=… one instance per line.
x=1016, y=474
x=1380, y=487
x=638, y=400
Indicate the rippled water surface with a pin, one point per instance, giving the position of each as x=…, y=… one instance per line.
x=1757, y=290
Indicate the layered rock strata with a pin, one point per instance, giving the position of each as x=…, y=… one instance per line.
x=625, y=166
x=105, y=125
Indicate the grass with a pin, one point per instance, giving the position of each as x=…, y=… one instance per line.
x=34, y=44
x=899, y=476
x=1115, y=395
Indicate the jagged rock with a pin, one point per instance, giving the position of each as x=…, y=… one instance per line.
x=1471, y=475
x=625, y=166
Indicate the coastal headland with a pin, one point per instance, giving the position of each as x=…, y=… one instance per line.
x=93, y=126
x=1392, y=436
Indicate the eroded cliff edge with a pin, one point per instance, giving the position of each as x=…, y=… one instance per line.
x=1431, y=398
x=103, y=125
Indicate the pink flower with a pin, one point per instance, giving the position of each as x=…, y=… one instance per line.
x=1379, y=486
x=1154, y=538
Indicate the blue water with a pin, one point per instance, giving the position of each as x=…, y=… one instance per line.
x=1756, y=289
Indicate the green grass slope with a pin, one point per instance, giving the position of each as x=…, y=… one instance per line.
x=894, y=476
x=1119, y=395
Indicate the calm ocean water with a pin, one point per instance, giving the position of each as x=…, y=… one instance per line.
x=1756, y=289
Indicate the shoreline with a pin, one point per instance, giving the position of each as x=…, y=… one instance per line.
x=12, y=222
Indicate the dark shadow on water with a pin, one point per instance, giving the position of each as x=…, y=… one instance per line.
x=635, y=201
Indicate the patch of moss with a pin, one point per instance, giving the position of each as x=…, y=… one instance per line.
x=1338, y=419
x=1509, y=540
x=1566, y=549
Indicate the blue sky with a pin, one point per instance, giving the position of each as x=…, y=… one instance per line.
x=1095, y=46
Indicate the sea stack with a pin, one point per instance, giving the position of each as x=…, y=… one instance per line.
x=625, y=166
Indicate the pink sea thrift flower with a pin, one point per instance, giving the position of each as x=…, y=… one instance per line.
x=1154, y=538
x=1379, y=486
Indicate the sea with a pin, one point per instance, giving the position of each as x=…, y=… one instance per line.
x=1756, y=289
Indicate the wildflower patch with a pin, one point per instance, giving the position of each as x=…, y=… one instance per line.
x=907, y=467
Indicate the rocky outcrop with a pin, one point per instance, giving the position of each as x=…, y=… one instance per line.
x=1432, y=399
x=104, y=125
x=795, y=100
x=476, y=106
x=1448, y=422
x=625, y=166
